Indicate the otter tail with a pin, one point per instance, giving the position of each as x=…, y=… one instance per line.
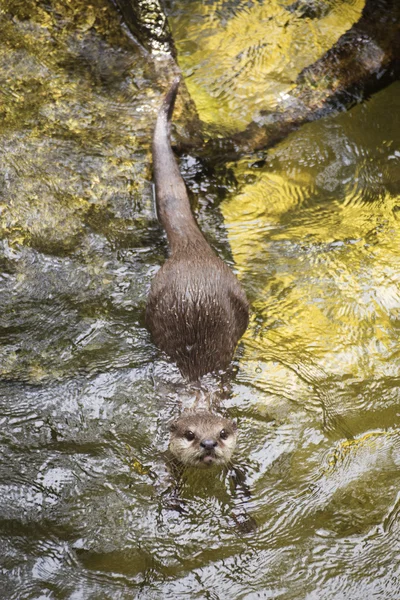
x=173, y=205
x=167, y=107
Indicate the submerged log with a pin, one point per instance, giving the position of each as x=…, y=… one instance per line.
x=148, y=24
x=363, y=61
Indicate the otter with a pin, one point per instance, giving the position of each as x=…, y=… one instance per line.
x=196, y=309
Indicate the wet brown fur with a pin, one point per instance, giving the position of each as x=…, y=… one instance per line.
x=196, y=309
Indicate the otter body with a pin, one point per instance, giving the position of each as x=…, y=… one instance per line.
x=196, y=309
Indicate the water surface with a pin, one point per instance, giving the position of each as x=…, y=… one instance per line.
x=312, y=230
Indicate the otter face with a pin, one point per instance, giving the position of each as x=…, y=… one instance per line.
x=201, y=439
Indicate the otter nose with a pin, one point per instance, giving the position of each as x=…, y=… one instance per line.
x=208, y=444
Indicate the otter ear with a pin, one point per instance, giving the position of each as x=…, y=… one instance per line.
x=173, y=427
x=234, y=425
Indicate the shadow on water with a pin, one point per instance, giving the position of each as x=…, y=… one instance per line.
x=85, y=398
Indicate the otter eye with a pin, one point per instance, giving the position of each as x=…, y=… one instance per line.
x=189, y=435
x=223, y=434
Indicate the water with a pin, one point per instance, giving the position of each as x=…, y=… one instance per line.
x=85, y=397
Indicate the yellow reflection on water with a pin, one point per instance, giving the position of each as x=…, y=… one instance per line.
x=240, y=61
x=325, y=285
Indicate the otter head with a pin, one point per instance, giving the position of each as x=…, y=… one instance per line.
x=202, y=439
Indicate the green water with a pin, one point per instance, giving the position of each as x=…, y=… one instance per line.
x=85, y=398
